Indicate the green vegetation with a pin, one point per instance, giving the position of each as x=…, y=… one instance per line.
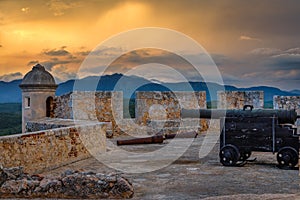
x=212, y=104
x=129, y=108
x=268, y=104
x=10, y=107
x=10, y=118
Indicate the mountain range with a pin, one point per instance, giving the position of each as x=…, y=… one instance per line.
x=10, y=91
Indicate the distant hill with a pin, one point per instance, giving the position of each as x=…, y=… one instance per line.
x=269, y=92
x=295, y=92
x=10, y=91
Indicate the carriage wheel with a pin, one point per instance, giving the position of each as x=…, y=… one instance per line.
x=245, y=155
x=287, y=157
x=229, y=155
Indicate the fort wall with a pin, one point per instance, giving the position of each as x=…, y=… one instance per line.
x=155, y=111
x=161, y=110
x=48, y=149
x=237, y=99
x=166, y=105
x=287, y=103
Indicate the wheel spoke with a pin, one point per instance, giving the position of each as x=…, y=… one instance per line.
x=287, y=157
x=229, y=155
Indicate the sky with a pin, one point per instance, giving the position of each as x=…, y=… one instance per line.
x=252, y=42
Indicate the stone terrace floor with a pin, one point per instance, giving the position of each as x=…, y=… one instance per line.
x=192, y=178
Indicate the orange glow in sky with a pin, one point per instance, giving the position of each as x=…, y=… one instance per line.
x=246, y=39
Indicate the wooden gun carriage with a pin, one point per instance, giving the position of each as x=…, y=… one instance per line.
x=247, y=130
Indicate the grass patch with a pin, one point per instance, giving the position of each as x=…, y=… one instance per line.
x=128, y=108
x=10, y=118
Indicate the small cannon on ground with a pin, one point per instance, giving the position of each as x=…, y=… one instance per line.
x=247, y=130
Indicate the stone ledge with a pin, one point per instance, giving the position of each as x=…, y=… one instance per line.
x=43, y=150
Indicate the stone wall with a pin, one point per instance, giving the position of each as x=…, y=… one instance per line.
x=63, y=106
x=48, y=123
x=287, y=103
x=162, y=109
x=108, y=107
x=237, y=99
x=39, y=151
x=103, y=106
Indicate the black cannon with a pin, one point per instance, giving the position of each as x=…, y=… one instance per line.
x=247, y=130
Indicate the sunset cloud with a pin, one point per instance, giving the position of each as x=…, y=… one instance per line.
x=32, y=63
x=244, y=37
x=59, y=7
x=62, y=73
x=11, y=77
x=55, y=52
x=25, y=9
x=265, y=51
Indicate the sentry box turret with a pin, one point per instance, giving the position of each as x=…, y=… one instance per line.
x=247, y=130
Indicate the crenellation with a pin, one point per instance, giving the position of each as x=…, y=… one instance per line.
x=237, y=99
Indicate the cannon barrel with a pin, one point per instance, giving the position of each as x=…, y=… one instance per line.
x=284, y=116
x=146, y=140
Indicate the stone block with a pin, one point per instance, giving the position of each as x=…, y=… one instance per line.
x=42, y=150
x=237, y=99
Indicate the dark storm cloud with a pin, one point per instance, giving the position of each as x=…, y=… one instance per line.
x=157, y=59
x=265, y=17
x=1, y=46
x=276, y=59
x=220, y=59
x=10, y=77
x=262, y=66
x=151, y=55
x=284, y=64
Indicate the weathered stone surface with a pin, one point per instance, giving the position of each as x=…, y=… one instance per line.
x=287, y=103
x=165, y=107
x=70, y=184
x=44, y=124
x=108, y=107
x=237, y=99
x=63, y=106
x=190, y=178
x=104, y=106
x=48, y=149
x=3, y=176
